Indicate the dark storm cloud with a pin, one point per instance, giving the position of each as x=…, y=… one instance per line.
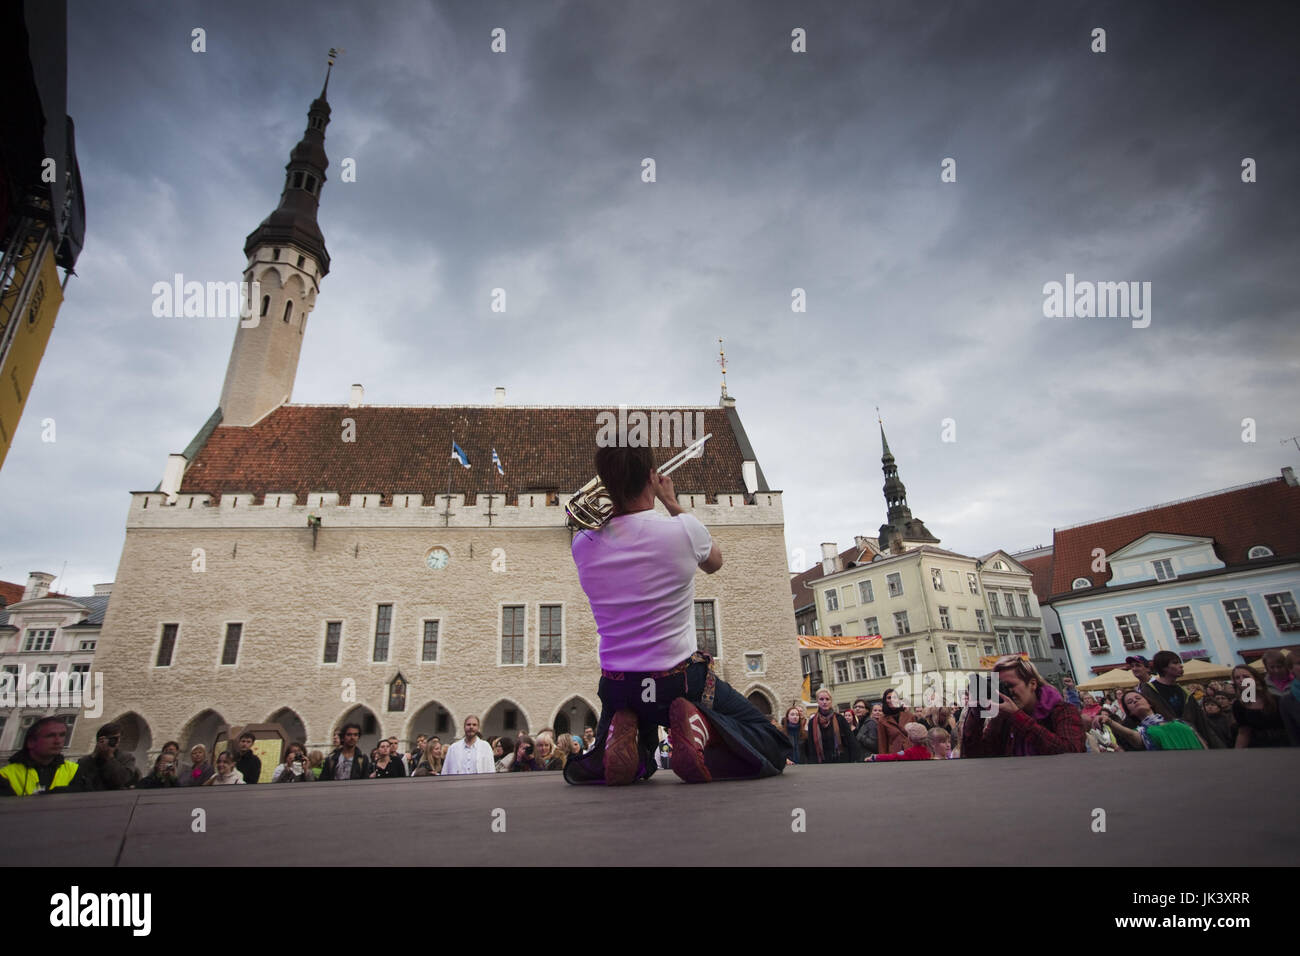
x=775, y=171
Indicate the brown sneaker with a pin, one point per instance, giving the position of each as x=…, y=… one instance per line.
x=691, y=735
x=622, y=760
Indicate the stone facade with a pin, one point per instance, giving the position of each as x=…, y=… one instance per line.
x=259, y=568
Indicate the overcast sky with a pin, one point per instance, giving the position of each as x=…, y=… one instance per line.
x=775, y=170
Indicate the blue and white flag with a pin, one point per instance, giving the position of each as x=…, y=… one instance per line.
x=497, y=461
x=459, y=454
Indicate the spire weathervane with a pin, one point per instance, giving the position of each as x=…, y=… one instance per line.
x=334, y=54
x=722, y=360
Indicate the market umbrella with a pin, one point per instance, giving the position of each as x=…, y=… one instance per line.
x=1197, y=669
x=1117, y=678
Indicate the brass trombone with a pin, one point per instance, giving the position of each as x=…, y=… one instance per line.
x=592, y=506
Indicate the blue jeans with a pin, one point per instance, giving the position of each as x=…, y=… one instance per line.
x=755, y=748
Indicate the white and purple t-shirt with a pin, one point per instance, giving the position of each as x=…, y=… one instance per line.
x=639, y=574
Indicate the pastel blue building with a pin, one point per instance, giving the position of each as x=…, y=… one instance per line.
x=1214, y=577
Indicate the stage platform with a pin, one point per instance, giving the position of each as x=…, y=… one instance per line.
x=1222, y=808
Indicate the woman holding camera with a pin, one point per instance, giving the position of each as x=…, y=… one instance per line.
x=525, y=756
x=295, y=768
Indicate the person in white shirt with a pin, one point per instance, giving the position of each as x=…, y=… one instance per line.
x=470, y=754
x=638, y=572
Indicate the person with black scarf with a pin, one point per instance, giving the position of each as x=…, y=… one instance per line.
x=890, y=737
x=796, y=731
x=829, y=738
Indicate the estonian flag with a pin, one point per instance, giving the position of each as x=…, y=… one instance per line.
x=497, y=461
x=459, y=454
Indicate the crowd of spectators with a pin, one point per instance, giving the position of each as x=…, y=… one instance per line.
x=1031, y=717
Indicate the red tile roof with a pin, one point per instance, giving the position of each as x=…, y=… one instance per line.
x=1266, y=513
x=407, y=450
x=10, y=593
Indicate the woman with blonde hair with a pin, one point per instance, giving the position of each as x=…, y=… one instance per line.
x=563, y=751
x=430, y=764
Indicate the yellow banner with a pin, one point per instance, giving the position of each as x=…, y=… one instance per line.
x=988, y=660
x=847, y=642
x=28, y=346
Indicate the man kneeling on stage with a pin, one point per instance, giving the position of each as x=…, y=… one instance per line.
x=638, y=572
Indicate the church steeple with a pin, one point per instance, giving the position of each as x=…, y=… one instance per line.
x=286, y=259
x=900, y=527
x=293, y=222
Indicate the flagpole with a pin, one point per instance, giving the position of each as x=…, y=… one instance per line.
x=446, y=514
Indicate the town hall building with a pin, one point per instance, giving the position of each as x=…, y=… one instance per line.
x=300, y=566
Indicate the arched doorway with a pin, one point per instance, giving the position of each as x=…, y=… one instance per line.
x=573, y=716
x=202, y=728
x=295, y=731
x=136, y=739
x=762, y=703
x=432, y=720
x=370, y=729
x=506, y=718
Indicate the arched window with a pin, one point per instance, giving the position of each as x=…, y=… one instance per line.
x=1080, y=583
x=266, y=304
x=1259, y=551
x=311, y=184
x=296, y=179
x=288, y=310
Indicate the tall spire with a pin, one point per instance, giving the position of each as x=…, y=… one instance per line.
x=899, y=526
x=286, y=261
x=293, y=222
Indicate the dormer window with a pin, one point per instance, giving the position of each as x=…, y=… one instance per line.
x=1259, y=551
x=1080, y=583
x=1164, y=569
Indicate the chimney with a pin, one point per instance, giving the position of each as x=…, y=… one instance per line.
x=1288, y=475
x=499, y=396
x=830, y=563
x=358, y=393
x=103, y=590
x=38, y=585
x=749, y=469
x=172, y=476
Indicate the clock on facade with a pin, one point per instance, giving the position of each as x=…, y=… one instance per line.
x=437, y=559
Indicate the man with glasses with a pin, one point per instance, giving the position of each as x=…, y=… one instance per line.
x=39, y=767
x=346, y=762
x=107, y=768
